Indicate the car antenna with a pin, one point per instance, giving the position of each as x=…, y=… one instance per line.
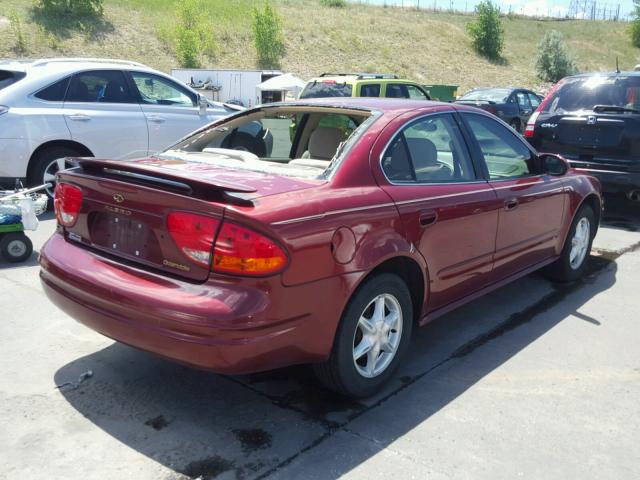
x=617, y=67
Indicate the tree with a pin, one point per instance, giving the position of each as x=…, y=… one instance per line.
x=635, y=25
x=554, y=61
x=487, y=32
x=267, y=36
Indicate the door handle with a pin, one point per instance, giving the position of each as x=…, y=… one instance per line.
x=79, y=117
x=510, y=204
x=428, y=218
x=156, y=119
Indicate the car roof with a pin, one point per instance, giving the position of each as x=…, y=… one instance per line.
x=624, y=73
x=352, y=78
x=365, y=103
x=69, y=65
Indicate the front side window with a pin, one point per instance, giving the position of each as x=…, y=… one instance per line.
x=107, y=86
x=415, y=93
x=505, y=155
x=155, y=90
x=535, y=100
x=370, y=90
x=429, y=150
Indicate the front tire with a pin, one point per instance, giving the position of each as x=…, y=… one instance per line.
x=573, y=260
x=371, y=339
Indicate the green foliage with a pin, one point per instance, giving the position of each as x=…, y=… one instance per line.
x=554, y=61
x=74, y=8
x=193, y=35
x=487, y=32
x=333, y=3
x=634, y=27
x=16, y=28
x=267, y=36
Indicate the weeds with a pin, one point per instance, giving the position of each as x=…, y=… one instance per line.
x=16, y=28
x=267, y=36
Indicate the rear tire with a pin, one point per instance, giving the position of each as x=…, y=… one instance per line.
x=47, y=164
x=575, y=254
x=15, y=247
x=369, y=343
x=515, y=124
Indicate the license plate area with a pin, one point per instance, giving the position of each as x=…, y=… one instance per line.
x=124, y=236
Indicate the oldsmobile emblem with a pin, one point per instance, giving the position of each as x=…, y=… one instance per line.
x=118, y=198
x=591, y=120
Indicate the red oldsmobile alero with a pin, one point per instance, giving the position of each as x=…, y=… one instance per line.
x=320, y=232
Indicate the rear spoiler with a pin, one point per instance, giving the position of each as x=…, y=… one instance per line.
x=137, y=172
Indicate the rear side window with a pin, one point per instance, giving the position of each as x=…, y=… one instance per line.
x=584, y=93
x=54, y=92
x=327, y=88
x=371, y=90
x=430, y=150
x=7, y=77
x=523, y=101
x=107, y=86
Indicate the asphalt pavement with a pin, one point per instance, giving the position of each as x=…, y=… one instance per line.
x=536, y=380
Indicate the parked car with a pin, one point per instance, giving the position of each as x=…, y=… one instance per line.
x=593, y=120
x=56, y=108
x=363, y=85
x=329, y=250
x=513, y=105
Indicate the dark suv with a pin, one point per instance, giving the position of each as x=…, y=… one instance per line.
x=593, y=120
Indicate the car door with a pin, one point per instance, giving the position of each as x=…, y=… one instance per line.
x=448, y=213
x=532, y=203
x=171, y=110
x=405, y=90
x=101, y=113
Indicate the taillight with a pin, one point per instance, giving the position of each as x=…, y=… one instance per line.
x=242, y=251
x=491, y=109
x=67, y=201
x=193, y=235
x=531, y=123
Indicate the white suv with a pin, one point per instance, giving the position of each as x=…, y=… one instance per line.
x=54, y=108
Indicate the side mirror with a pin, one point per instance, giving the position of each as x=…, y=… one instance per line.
x=203, y=103
x=554, y=164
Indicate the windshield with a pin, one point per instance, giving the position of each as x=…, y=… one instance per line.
x=7, y=77
x=584, y=93
x=301, y=142
x=326, y=88
x=497, y=95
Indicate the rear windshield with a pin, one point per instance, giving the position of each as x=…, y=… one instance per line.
x=7, y=77
x=290, y=141
x=327, y=88
x=498, y=95
x=583, y=93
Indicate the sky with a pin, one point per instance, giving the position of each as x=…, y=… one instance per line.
x=556, y=8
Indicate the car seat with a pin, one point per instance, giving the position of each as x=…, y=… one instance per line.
x=425, y=161
x=323, y=145
x=114, y=92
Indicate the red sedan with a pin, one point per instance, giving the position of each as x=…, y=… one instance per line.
x=320, y=232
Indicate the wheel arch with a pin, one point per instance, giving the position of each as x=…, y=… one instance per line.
x=82, y=150
x=411, y=272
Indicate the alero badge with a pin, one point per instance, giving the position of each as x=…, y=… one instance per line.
x=118, y=198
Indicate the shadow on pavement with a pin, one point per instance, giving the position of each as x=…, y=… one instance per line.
x=202, y=425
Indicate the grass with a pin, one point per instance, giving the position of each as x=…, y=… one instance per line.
x=424, y=46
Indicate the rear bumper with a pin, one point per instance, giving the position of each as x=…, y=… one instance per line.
x=227, y=326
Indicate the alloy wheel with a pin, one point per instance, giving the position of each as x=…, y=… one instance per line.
x=377, y=336
x=580, y=243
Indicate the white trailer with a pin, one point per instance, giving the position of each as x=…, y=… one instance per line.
x=230, y=86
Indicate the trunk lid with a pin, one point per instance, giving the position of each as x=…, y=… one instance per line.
x=125, y=205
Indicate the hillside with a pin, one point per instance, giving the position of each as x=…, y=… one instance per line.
x=426, y=46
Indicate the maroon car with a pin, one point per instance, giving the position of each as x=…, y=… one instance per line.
x=320, y=232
